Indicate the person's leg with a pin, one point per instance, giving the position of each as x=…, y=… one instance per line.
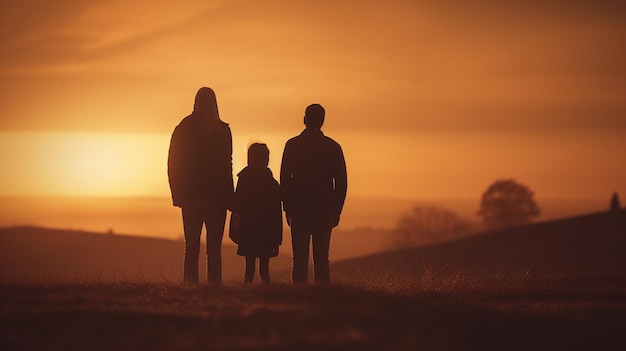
x=321, y=244
x=264, y=269
x=215, y=217
x=300, y=239
x=192, y=226
x=250, y=268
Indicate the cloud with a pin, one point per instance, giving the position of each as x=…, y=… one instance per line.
x=440, y=65
x=514, y=12
x=50, y=36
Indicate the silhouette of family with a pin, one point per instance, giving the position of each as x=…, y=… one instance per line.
x=311, y=193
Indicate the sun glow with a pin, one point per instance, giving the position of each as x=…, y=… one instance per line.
x=87, y=164
x=103, y=163
x=98, y=164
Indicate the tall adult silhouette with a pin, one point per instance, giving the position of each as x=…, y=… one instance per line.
x=200, y=172
x=314, y=184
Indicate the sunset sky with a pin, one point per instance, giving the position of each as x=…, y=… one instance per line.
x=429, y=99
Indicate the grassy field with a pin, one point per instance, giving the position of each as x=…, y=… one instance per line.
x=558, y=285
x=455, y=312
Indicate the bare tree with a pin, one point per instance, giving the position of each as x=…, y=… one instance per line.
x=507, y=203
x=424, y=225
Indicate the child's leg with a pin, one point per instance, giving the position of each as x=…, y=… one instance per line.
x=249, y=274
x=264, y=269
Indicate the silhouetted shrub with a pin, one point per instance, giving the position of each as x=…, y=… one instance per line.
x=424, y=225
x=507, y=203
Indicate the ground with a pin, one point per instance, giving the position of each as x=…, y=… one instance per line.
x=456, y=312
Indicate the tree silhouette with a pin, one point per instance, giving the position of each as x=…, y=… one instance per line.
x=424, y=225
x=507, y=203
x=615, y=206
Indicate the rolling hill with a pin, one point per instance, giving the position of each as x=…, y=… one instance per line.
x=587, y=245
x=33, y=253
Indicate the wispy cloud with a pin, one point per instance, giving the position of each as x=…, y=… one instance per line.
x=54, y=36
x=444, y=64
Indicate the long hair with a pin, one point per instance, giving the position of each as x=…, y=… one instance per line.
x=205, y=105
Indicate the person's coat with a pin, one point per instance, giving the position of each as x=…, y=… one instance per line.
x=313, y=175
x=200, y=163
x=256, y=219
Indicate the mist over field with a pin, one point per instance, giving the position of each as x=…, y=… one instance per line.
x=156, y=217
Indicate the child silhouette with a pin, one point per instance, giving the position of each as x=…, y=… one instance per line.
x=256, y=220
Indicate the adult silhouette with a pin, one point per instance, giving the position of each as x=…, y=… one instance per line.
x=314, y=184
x=200, y=174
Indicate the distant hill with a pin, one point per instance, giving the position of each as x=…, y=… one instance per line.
x=34, y=253
x=593, y=244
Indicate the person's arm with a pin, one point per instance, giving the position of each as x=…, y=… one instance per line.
x=174, y=167
x=341, y=184
x=277, y=218
x=235, y=205
x=285, y=180
x=230, y=159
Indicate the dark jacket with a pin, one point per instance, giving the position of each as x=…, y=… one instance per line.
x=199, y=164
x=313, y=175
x=257, y=202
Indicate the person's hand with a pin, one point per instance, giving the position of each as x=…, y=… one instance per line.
x=336, y=219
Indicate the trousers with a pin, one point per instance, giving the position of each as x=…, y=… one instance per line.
x=195, y=217
x=304, y=230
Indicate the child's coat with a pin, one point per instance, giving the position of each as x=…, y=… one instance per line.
x=257, y=213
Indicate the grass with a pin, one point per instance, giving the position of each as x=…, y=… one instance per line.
x=455, y=311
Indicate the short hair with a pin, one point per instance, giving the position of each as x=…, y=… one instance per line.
x=314, y=116
x=258, y=155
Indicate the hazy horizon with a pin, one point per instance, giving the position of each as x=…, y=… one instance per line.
x=156, y=217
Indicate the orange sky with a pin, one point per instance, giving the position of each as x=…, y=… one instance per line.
x=429, y=99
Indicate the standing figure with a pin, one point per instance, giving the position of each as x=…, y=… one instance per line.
x=200, y=172
x=314, y=183
x=256, y=220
